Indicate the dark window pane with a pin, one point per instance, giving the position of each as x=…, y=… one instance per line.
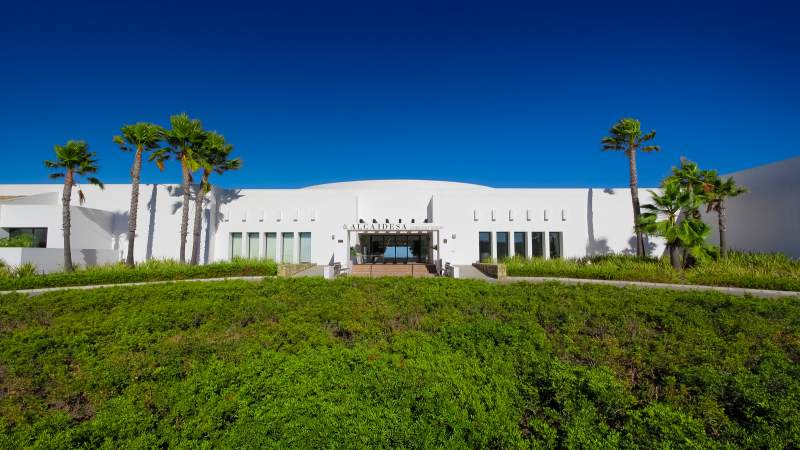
x=519, y=244
x=484, y=246
x=537, y=244
x=555, y=244
x=502, y=245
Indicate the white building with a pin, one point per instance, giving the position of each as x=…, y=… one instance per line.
x=387, y=221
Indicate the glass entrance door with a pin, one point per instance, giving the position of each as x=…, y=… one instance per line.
x=395, y=248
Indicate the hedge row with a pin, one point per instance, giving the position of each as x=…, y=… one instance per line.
x=755, y=271
x=155, y=270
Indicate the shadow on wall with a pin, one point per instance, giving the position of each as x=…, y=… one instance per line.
x=119, y=228
x=595, y=246
x=89, y=257
x=151, y=225
x=649, y=246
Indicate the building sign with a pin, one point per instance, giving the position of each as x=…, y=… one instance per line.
x=388, y=227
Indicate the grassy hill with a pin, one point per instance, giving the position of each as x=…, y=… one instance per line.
x=397, y=363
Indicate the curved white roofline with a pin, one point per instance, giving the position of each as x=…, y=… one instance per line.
x=395, y=184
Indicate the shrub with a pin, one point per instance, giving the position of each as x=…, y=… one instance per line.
x=397, y=362
x=25, y=270
x=22, y=240
x=153, y=270
x=747, y=270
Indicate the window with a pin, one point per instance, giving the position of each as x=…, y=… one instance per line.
x=37, y=236
x=305, y=247
x=484, y=246
x=537, y=244
x=519, y=244
x=236, y=245
x=502, y=245
x=252, y=245
x=288, y=248
x=556, y=244
x=272, y=246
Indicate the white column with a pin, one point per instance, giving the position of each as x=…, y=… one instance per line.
x=494, y=245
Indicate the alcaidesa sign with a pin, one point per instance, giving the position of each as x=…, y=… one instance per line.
x=387, y=227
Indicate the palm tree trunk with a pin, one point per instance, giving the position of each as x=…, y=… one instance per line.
x=200, y=195
x=637, y=212
x=134, y=210
x=674, y=256
x=185, y=208
x=722, y=217
x=66, y=198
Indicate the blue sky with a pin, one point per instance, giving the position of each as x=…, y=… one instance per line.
x=498, y=93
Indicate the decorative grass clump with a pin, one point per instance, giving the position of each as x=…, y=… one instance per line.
x=153, y=270
x=397, y=363
x=747, y=270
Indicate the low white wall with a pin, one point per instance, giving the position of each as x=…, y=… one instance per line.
x=49, y=260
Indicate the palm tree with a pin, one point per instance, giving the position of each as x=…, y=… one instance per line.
x=140, y=137
x=73, y=160
x=626, y=135
x=211, y=156
x=666, y=217
x=183, y=138
x=716, y=192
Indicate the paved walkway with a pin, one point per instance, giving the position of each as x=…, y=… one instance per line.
x=467, y=272
x=763, y=293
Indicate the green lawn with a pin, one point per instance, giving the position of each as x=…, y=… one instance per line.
x=755, y=271
x=361, y=363
x=25, y=277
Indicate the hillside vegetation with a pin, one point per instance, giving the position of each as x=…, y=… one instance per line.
x=360, y=363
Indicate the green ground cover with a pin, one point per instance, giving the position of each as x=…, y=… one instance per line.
x=755, y=271
x=397, y=362
x=25, y=276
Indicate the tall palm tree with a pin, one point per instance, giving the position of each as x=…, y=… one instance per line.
x=716, y=192
x=140, y=137
x=183, y=137
x=73, y=160
x=211, y=157
x=626, y=136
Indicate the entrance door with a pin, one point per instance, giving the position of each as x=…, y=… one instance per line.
x=395, y=248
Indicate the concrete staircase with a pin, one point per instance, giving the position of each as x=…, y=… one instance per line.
x=393, y=270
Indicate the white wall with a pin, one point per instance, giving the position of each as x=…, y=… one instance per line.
x=52, y=259
x=767, y=218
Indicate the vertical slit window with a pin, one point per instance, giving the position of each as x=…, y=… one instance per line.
x=272, y=246
x=556, y=244
x=537, y=244
x=236, y=245
x=305, y=247
x=502, y=245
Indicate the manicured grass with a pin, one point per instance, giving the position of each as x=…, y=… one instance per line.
x=365, y=363
x=154, y=270
x=755, y=271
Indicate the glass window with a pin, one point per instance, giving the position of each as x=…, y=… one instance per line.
x=236, y=245
x=37, y=236
x=519, y=244
x=305, y=247
x=537, y=244
x=502, y=245
x=556, y=244
x=272, y=246
x=252, y=245
x=288, y=247
x=484, y=246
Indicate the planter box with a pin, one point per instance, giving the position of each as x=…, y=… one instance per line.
x=497, y=271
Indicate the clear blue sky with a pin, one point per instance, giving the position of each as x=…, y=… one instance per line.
x=498, y=93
